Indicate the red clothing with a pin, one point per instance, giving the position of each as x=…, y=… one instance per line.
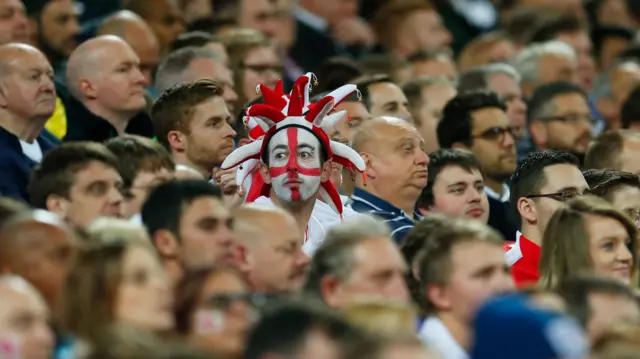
x=523, y=256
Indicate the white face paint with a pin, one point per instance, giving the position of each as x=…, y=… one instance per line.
x=294, y=164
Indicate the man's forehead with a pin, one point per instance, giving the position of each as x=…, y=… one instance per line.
x=454, y=173
x=564, y=175
x=206, y=206
x=294, y=136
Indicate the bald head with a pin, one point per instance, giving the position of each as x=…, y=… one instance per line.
x=376, y=131
x=14, y=54
x=88, y=61
x=39, y=246
x=252, y=222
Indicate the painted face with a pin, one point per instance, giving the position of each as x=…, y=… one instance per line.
x=294, y=164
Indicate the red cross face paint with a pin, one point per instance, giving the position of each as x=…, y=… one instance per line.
x=294, y=164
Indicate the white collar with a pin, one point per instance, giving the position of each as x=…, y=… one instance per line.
x=434, y=334
x=506, y=193
x=314, y=21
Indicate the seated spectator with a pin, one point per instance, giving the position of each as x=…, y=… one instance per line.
x=588, y=235
x=395, y=67
x=107, y=92
x=202, y=39
x=214, y=311
x=396, y=173
x=487, y=49
x=253, y=61
x=616, y=150
x=19, y=300
x=138, y=35
x=269, y=253
x=79, y=182
x=143, y=164
x=18, y=30
x=164, y=18
x=622, y=189
x=613, y=87
x=427, y=97
x=432, y=63
x=40, y=248
x=464, y=257
x=383, y=97
x=609, y=41
x=599, y=303
x=336, y=72
x=116, y=282
x=357, y=258
x=193, y=123
x=455, y=186
x=189, y=226
x=27, y=105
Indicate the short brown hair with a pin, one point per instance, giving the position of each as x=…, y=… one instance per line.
x=605, y=183
x=435, y=257
x=55, y=175
x=603, y=152
x=174, y=109
x=391, y=16
x=565, y=251
x=139, y=154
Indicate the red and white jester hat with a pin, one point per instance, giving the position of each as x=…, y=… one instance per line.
x=281, y=111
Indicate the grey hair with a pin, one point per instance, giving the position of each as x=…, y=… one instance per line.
x=602, y=85
x=527, y=63
x=175, y=68
x=335, y=255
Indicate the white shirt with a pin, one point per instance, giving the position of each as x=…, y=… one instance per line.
x=435, y=335
x=32, y=150
x=323, y=217
x=506, y=193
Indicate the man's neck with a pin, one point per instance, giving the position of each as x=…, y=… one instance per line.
x=460, y=331
x=301, y=211
x=532, y=233
x=25, y=129
x=180, y=158
x=494, y=185
x=119, y=120
x=398, y=200
x=174, y=272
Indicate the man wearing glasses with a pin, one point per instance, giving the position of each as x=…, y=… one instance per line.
x=559, y=118
x=477, y=121
x=541, y=183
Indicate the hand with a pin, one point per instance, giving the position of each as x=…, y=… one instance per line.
x=231, y=193
x=354, y=31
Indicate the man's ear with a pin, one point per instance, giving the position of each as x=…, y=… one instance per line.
x=368, y=162
x=88, y=89
x=264, y=171
x=58, y=205
x=242, y=258
x=325, y=175
x=330, y=291
x=539, y=135
x=438, y=296
x=4, y=102
x=177, y=140
x=424, y=211
x=166, y=243
x=528, y=210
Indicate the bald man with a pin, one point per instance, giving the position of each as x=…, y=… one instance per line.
x=107, y=91
x=27, y=100
x=164, y=18
x=268, y=248
x=135, y=32
x=24, y=316
x=39, y=247
x=393, y=152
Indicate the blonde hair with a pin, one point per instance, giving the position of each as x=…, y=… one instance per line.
x=565, y=245
x=239, y=42
x=106, y=230
x=381, y=316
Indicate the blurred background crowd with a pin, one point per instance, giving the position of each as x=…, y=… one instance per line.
x=319, y=179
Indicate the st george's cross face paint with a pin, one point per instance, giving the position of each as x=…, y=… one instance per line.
x=295, y=165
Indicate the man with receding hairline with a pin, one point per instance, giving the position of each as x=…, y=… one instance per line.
x=107, y=91
x=396, y=173
x=40, y=247
x=135, y=32
x=27, y=100
x=268, y=250
x=19, y=301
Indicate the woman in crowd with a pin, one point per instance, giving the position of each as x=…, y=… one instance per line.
x=214, y=310
x=588, y=235
x=253, y=60
x=116, y=282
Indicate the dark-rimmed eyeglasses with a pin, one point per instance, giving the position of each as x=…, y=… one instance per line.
x=498, y=133
x=559, y=196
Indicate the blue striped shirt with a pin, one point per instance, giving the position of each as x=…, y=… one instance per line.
x=399, y=222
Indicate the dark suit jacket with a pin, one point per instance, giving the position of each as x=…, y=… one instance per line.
x=15, y=166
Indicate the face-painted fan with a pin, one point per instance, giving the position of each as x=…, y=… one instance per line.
x=281, y=112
